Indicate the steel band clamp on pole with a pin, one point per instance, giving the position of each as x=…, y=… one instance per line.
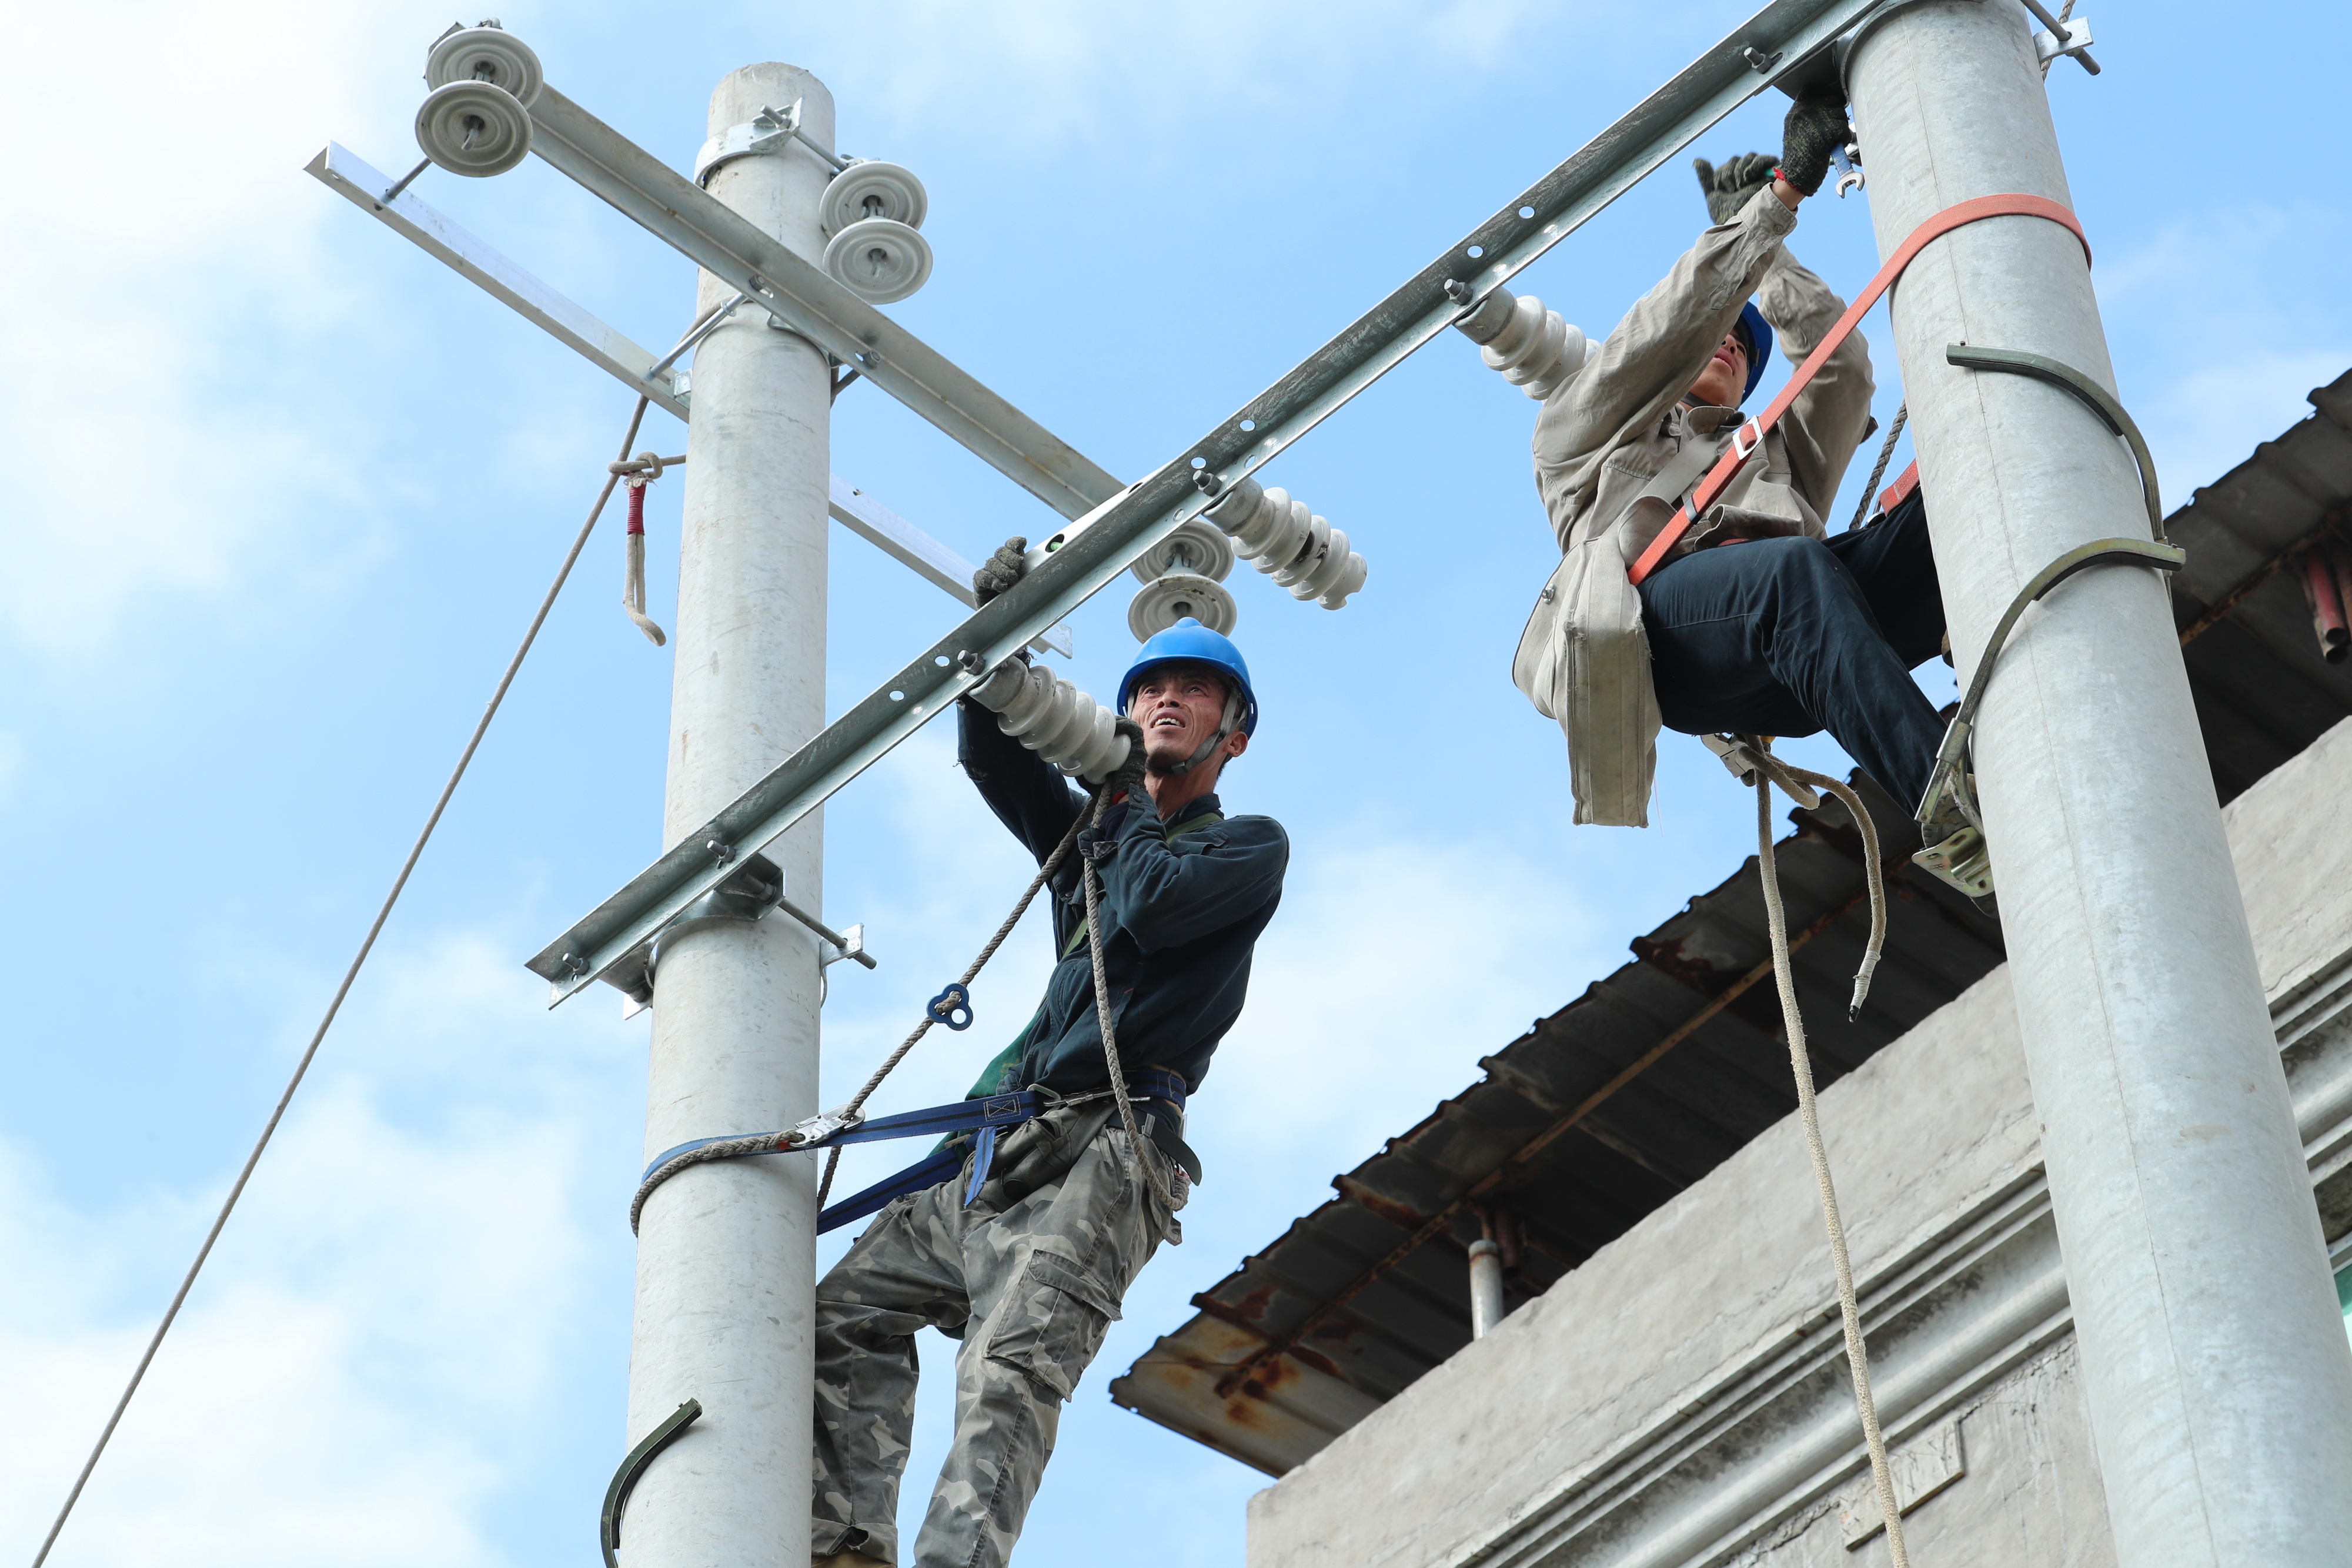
x=2010, y=204
x=624, y=1479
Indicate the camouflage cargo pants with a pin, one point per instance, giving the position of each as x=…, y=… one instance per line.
x=1030, y=1276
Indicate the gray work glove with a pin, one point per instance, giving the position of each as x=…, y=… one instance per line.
x=1001, y=570
x=1728, y=187
x=1815, y=127
x=1129, y=774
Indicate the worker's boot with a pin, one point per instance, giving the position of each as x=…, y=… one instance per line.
x=851, y=1558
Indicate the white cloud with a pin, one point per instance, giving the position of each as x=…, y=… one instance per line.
x=164, y=250
x=1063, y=70
x=344, y=1387
x=2230, y=322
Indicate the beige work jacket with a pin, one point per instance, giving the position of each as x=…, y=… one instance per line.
x=1599, y=443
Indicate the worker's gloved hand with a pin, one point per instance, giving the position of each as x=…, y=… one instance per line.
x=1001, y=570
x=1729, y=187
x=1815, y=127
x=1129, y=774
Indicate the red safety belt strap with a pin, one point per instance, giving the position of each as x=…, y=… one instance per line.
x=1895, y=495
x=1750, y=435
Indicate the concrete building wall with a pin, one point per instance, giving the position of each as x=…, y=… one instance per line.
x=1681, y=1399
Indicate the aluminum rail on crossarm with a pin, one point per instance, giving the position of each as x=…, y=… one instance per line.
x=1083, y=558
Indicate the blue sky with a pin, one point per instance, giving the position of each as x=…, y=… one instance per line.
x=283, y=491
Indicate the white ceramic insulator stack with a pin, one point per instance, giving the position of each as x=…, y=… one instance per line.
x=1535, y=349
x=1290, y=544
x=1053, y=718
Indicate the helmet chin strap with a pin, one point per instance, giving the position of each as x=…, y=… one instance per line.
x=1225, y=727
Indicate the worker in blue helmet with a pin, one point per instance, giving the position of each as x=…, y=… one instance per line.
x=1796, y=630
x=1029, y=1272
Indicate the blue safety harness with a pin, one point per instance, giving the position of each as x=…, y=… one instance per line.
x=986, y=1117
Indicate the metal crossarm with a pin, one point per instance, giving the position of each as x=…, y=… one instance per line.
x=1074, y=564
x=350, y=176
x=729, y=246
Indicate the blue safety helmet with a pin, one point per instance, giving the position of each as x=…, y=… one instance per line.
x=1190, y=642
x=1759, y=346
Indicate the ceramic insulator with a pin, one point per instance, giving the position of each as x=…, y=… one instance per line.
x=1535, y=349
x=1290, y=544
x=1053, y=718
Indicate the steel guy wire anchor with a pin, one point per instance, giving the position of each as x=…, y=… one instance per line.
x=1535, y=349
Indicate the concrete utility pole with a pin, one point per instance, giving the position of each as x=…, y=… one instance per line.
x=727, y=1254
x=2219, y=1394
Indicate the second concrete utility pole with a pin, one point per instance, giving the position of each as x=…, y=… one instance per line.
x=2219, y=1394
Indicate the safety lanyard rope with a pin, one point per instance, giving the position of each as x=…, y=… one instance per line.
x=1749, y=437
x=1793, y=781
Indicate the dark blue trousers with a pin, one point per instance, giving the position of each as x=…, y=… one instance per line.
x=1793, y=636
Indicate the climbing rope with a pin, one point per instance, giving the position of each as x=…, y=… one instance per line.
x=335, y=1003
x=1772, y=771
x=1894, y=433
x=930, y=1014
x=1136, y=1162
x=637, y=475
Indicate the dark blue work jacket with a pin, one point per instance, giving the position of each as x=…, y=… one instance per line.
x=1180, y=915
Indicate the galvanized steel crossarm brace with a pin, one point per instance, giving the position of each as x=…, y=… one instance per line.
x=732, y=249
x=1083, y=558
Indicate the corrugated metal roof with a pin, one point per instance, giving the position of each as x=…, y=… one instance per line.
x=1602, y=1112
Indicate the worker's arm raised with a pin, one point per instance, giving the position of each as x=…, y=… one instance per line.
x=1165, y=898
x=1829, y=418
x=1028, y=794
x=1648, y=362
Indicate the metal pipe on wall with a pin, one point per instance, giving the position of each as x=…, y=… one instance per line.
x=1485, y=1287
x=2212, y=1349
x=726, y=1252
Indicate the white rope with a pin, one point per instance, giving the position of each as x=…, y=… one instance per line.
x=643, y=471
x=1857, y=1355
x=1102, y=1016
x=334, y=1004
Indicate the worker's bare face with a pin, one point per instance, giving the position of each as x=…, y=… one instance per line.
x=1725, y=380
x=1179, y=706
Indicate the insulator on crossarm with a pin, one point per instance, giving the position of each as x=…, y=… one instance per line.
x=1535, y=349
x=1290, y=544
x=1053, y=718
